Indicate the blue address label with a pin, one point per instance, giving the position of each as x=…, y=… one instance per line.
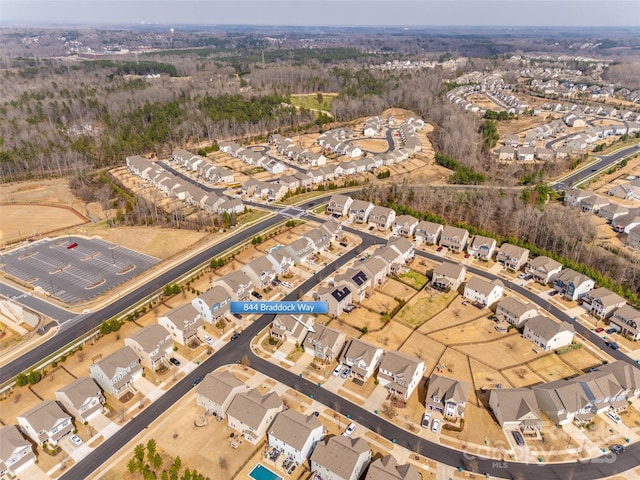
x=279, y=307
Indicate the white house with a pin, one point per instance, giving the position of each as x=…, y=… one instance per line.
x=45, y=423
x=16, y=453
x=400, y=374
x=543, y=269
x=340, y=458
x=482, y=247
x=153, y=344
x=216, y=391
x=483, y=292
x=210, y=305
x=116, y=372
x=548, y=334
x=251, y=413
x=82, y=398
x=362, y=357
x=295, y=435
x=572, y=285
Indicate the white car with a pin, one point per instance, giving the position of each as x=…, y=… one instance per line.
x=76, y=440
x=337, y=370
x=522, y=275
x=286, y=284
x=425, y=420
x=435, y=425
x=310, y=261
x=207, y=339
x=350, y=429
x=614, y=417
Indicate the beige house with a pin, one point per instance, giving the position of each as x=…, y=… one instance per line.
x=482, y=247
x=387, y=468
x=210, y=305
x=359, y=211
x=405, y=225
x=448, y=276
x=572, y=285
x=447, y=396
x=627, y=375
x=547, y=333
x=324, y=343
x=512, y=257
x=516, y=409
x=428, y=232
x=543, y=269
x=116, y=372
x=153, y=345
x=183, y=323
x=362, y=357
x=454, y=238
x=381, y=217
x=515, y=311
x=339, y=205
x=45, y=423
x=400, y=374
x=290, y=327
x=340, y=458
x=337, y=297
x=295, y=435
x=251, y=414
x=628, y=319
x=82, y=398
x=16, y=453
x=216, y=391
x=601, y=302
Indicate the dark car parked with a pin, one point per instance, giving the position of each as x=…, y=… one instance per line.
x=517, y=436
x=175, y=361
x=197, y=380
x=256, y=294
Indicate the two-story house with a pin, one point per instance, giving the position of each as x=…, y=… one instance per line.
x=400, y=374
x=516, y=409
x=340, y=458
x=377, y=268
x=251, y=413
x=358, y=281
x=216, y=391
x=448, y=276
x=183, y=323
x=543, y=269
x=601, y=302
x=447, y=396
x=45, y=423
x=603, y=391
x=153, y=345
x=627, y=375
x=295, y=435
x=82, y=398
x=454, y=238
x=381, y=217
x=512, y=257
x=483, y=292
x=239, y=284
x=300, y=249
x=324, y=343
x=339, y=205
x=291, y=328
x=116, y=372
x=359, y=211
x=482, y=247
x=337, y=297
x=572, y=285
x=548, y=334
x=16, y=453
x=515, y=311
x=387, y=468
x=428, y=232
x=405, y=225
x=564, y=401
x=627, y=318
x=362, y=357
x=261, y=272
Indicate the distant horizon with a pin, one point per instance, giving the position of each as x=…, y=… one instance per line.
x=323, y=13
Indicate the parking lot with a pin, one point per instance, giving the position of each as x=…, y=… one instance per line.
x=74, y=269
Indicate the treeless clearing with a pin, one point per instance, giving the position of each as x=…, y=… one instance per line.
x=521, y=376
x=506, y=351
x=390, y=337
x=373, y=145
x=456, y=314
x=456, y=366
x=18, y=402
x=479, y=330
x=479, y=426
x=423, y=348
x=580, y=359
x=397, y=289
x=422, y=307
x=550, y=368
x=21, y=221
x=379, y=302
x=485, y=376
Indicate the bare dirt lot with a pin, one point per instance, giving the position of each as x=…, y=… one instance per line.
x=30, y=220
x=373, y=145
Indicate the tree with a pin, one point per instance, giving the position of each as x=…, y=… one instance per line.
x=245, y=362
x=34, y=377
x=138, y=452
x=21, y=380
x=221, y=324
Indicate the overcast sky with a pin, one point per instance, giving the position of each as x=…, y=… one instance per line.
x=324, y=12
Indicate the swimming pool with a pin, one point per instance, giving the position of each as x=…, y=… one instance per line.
x=260, y=472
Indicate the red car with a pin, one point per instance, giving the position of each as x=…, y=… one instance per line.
x=73, y=245
x=439, y=249
x=599, y=329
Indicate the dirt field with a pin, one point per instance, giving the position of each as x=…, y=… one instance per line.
x=521, y=376
x=424, y=348
x=507, y=350
x=422, y=307
x=21, y=221
x=478, y=330
x=550, y=368
x=374, y=145
x=391, y=337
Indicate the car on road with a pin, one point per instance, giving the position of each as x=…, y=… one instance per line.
x=175, y=361
x=467, y=255
x=197, y=380
x=257, y=295
x=611, y=330
x=425, y=420
x=207, y=339
x=599, y=330
x=345, y=372
x=617, y=448
x=235, y=336
x=337, y=370
x=350, y=429
x=287, y=285
x=517, y=436
x=614, y=417
x=439, y=249
x=612, y=345
x=75, y=439
x=316, y=414
x=435, y=425
x=553, y=293
x=344, y=244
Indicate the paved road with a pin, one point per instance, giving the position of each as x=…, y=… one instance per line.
x=37, y=304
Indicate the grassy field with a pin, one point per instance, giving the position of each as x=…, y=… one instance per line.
x=311, y=101
x=414, y=279
x=423, y=307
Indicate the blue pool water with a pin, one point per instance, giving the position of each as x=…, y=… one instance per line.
x=261, y=472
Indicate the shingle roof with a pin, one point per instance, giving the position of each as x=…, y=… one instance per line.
x=339, y=454
x=44, y=416
x=547, y=328
x=80, y=390
x=153, y=335
x=10, y=441
x=217, y=386
x=251, y=407
x=294, y=428
x=387, y=468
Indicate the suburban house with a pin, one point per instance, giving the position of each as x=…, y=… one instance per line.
x=300, y=249
x=82, y=398
x=359, y=210
x=603, y=391
x=362, y=357
x=454, y=238
x=483, y=292
x=428, y=232
x=601, y=302
x=404, y=248
x=46, y=423
x=239, y=284
x=16, y=452
x=381, y=217
x=324, y=343
x=405, y=225
x=515, y=312
x=339, y=205
x=564, y=401
x=340, y=458
x=337, y=298
x=627, y=318
x=216, y=391
x=573, y=196
x=295, y=435
x=543, y=269
x=210, y=305
x=289, y=327
x=482, y=247
x=251, y=413
x=548, y=334
x=400, y=374
x=448, y=276
x=358, y=281
x=183, y=323
x=512, y=257
x=261, y=272
x=387, y=468
x=516, y=409
x=116, y=372
x=153, y=345
x=627, y=375
x=572, y=285
x=633, y=238
x=447, y=396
